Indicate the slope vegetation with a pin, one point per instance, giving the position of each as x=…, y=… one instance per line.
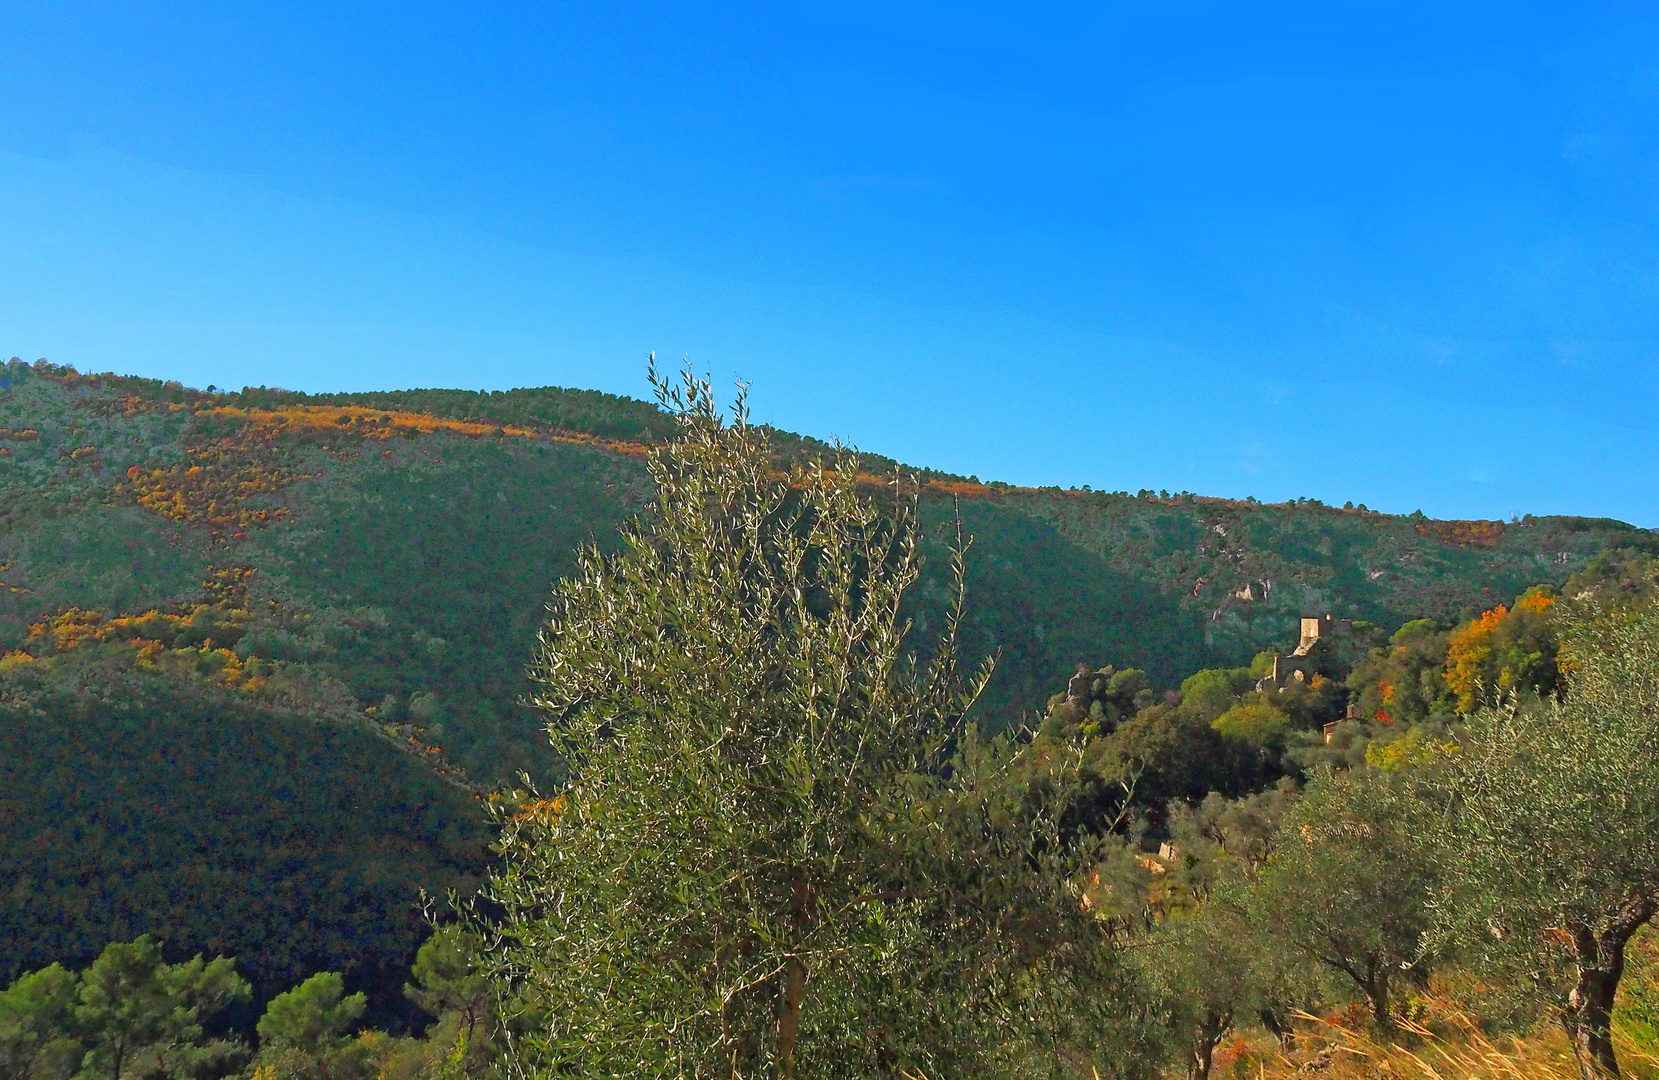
x=264, y=650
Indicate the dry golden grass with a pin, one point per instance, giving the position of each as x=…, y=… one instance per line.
x=1454, y=1049
x=1449, y=1045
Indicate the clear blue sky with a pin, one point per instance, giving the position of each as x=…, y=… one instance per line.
x=1399, y=254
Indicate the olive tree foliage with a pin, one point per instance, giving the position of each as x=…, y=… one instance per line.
x=781, y=852
x=1215, y=967
x=1347, y=889
x=1551, y=846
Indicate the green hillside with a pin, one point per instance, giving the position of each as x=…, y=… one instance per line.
x=134, y=804
x=413, y=566
x=319, y=608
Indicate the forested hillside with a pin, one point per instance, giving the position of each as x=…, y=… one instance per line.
x=285, y=635
x=403, y=543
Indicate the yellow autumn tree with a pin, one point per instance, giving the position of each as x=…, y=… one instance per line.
x=1504, y=651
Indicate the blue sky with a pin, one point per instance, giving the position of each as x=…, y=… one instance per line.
x=1403, y=255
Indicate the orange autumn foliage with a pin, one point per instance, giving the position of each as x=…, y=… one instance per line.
x=542, y=811
x=1466, y=656
x=1385, y=691
x=233, y=468
x=370, y=424
x=175, y=641
x=213, y=488
x=211, y=495
x=196, y=643
x=1464, y=533
x=1472, y=669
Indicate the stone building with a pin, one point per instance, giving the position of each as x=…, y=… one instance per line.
x=1314, y=652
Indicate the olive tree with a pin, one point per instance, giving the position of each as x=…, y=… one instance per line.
x=1204, y=963
x=781, y=852
x=1552, y=831
x=1348, y=887
x=1213, y=963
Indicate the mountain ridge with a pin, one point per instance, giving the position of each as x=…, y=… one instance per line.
x=223, y=469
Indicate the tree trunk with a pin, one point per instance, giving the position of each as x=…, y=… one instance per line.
x=1270, y=1021
x=1211, y=1030
x=1588, y=1017
x=1203, y=1055
x=1376, y=992
x=1589, y=1022
x=789, y=1016
x=1372, y=979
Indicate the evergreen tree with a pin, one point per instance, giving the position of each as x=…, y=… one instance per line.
x=141, y=1016
x=450, y=983
x=305, y=1032
x=447, y=978
x=37, y=1026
